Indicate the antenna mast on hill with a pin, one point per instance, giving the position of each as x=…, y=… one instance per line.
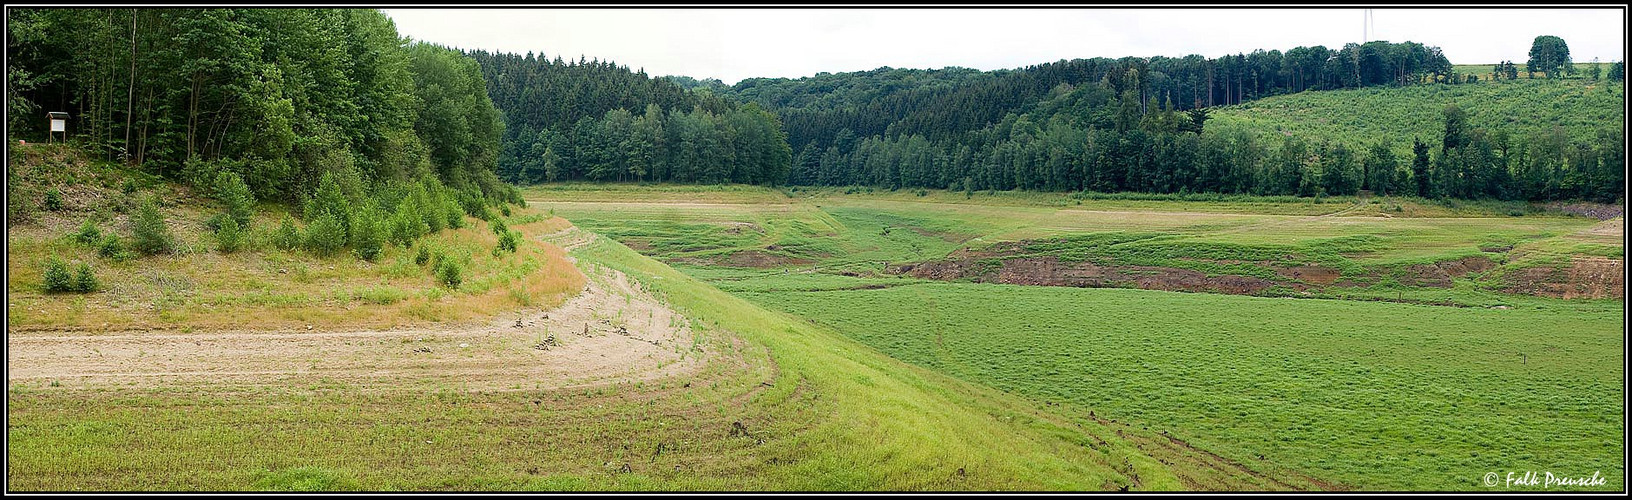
x=1368, y=25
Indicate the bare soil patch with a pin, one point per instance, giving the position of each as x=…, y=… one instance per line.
x=758, y=259
x=1600, y=211
x=1001, y=264
x=1585, y=278
x=1318, y=275
x=1440, y=274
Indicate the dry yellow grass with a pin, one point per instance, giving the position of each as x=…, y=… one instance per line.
x=198, y=288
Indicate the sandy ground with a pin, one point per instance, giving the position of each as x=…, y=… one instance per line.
x=612, y=331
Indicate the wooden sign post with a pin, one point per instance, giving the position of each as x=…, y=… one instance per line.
x=59, y=123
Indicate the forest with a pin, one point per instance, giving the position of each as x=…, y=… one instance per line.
x=279, y=97
x=283, y=96
x=1109, y=125
x=598, y=121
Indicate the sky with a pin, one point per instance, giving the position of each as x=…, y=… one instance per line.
x=732, y=44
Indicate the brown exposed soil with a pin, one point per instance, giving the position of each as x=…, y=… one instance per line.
x=637, y=244
x=758, y=259
x=1313, y=274
x=1440, y=274
x=1048, y=270
x=1584, y=278
x=1600, y=211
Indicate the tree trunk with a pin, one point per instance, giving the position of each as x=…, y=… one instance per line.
x=147, y=116
x=130, y=95
x=192, y=117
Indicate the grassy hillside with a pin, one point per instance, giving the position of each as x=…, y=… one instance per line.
x=1368, y=395
x=196, y=286
x=1380, y=396
x=1368, y=116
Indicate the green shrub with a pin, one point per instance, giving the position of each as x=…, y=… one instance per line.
x=507, y=242
x=326, y=235
x=149, y=230
x=455, y=215
x=128, y=187
x=406, y=225
x=113, y=248
x=473, y=204
x=228, y=238
x=505, y=209
x=235, y=194
x=84, y=279
x=366, y=236
x=53, y=200
x=422, y=256
x=56, y=276
x=449, y=273
x=331, y=201
x=498, y=227
x=287, y=236
x=430, y=207
x=88, y=234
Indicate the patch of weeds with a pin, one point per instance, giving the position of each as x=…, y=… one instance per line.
x=309, y=478
x=53, y=200
x=88, y=233
x=381, y=295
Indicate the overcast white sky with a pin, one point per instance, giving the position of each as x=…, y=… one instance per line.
x=732, y=44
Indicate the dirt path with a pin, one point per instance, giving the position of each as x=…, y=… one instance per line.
x=612, y=331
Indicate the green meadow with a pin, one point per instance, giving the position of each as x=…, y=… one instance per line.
x=1354, y=393
x=1379, y=396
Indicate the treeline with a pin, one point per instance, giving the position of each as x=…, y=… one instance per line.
x=893, y=102
x=744, y=145
x=1104, y=138
x=280, y=97
x=594, y=120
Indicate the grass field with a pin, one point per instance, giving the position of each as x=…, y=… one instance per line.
x=781, y=405
x=829, y=232
x=1363, y=394
x=1380, y=396
x=817, y=371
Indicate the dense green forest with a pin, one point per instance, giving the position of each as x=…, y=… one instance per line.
x=1098, y=138
x=598, y=121
x=280, y=97
x=941, y=104
x=283, y=97
x=1130, y=124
